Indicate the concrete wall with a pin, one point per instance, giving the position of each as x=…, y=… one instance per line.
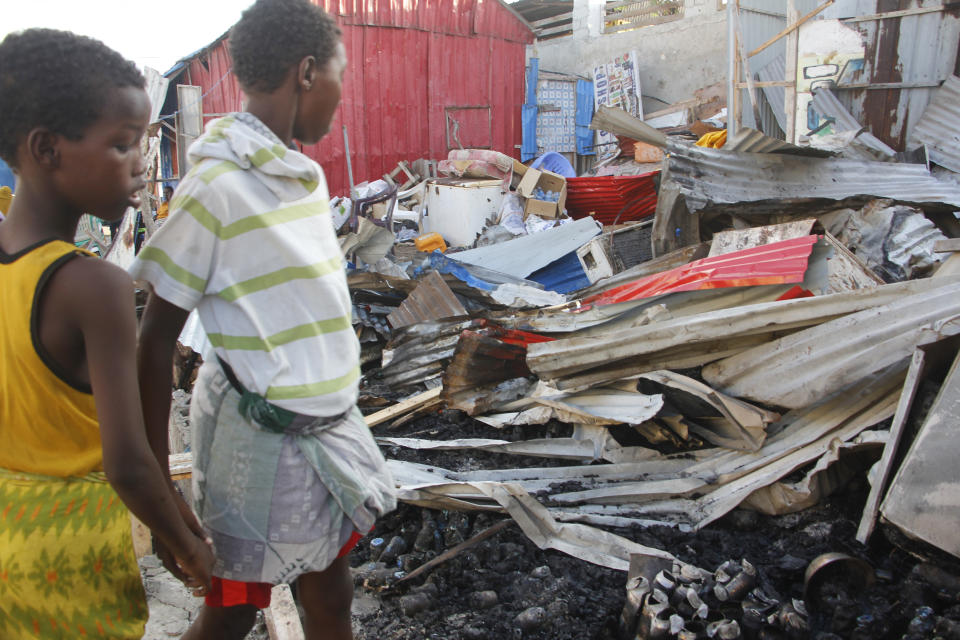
x=676, y=58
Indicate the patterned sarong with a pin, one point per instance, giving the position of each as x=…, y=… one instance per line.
x=279, y=505
x=67, y=565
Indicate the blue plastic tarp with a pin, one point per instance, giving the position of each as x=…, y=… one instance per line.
x=583, y=117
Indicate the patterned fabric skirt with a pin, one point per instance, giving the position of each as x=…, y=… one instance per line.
x=279, y=505
x=67, y=565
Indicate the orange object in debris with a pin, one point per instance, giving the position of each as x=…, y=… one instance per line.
x=430, y=242
x=644, y=153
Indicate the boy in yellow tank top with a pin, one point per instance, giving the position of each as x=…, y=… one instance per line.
x=73, y=447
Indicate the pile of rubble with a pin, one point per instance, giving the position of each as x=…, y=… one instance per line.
x=745, y=327
x=758, y=316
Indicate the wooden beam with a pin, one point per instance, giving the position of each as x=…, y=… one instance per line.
x=790, y=28
x=766, y=83
x=896, y=14
x=282, y=618
x=790, y=92
x=950, y=244
x=889, y=85
x=408, y=405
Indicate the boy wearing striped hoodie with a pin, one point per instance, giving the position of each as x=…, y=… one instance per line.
x=286, y=476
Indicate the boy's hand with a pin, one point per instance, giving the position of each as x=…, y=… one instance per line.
x=196, y=567
x=180, y=569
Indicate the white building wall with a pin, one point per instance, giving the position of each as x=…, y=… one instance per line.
x=676, y=58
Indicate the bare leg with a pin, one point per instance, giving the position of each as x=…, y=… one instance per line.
x=222, y=623
x=326, y=597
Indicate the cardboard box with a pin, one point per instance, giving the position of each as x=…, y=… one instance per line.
x=530, y=181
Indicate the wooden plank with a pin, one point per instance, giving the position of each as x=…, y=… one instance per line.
x=543, y=22
x=638, y=25
x=790, y=93
x=915, y=375
x=142, y=539
x=790, y=28
x=950, y=244
x=882, y=86
x=610, y=6
x=282, y=618
x=766, y=83
x=397, y=410
x=894, y=14
x=181, y=465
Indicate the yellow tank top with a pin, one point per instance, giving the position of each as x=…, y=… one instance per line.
x=48, y=425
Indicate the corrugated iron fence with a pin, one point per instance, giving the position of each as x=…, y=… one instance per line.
x=424, y=77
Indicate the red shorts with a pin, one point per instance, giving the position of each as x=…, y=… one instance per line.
x=231, y=593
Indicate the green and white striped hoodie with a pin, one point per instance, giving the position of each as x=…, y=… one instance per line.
x=249, y=243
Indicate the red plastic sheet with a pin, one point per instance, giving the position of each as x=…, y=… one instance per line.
x=612, y=199
x=776, y=263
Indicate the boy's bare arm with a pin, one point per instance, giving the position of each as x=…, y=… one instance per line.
x=160, y=326
x=100, y=296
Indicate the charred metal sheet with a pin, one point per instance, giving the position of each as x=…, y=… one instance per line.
x=522, y=256
x=431, y=300
x=749, y=140
x=802, y=368
x=767, y=183
x=691, y=340
x=716, y=417
x=939, y=127
x=480, y=363
x=829, y=106
x=923, y=496
x=420, y=352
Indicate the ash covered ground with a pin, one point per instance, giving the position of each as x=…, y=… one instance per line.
x=505, y=587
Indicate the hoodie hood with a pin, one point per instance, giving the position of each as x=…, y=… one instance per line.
x=243, y=140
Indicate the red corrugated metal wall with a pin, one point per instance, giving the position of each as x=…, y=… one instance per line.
x=410, y=61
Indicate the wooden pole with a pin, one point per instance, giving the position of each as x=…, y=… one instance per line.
x=791, y=28
x=790, y=92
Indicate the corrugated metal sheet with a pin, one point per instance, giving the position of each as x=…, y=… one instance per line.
x=783, y=262
x=612, y=199
x=914, y=49
x=564, y=275
x=774, y=71
x=709, y=177
x=431, y=300
x=939, y=128
x=524, y=255
x=827, y=104
x=400, y=82
x=749, y=140
x=805, y=367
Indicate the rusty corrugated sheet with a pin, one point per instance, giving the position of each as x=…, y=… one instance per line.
x=409, y=63
x=431, y=300
x=939, y=128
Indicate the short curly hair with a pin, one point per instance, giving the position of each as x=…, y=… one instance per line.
x=58, y=80
x=274, y=35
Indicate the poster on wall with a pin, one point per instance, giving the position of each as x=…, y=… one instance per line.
x=617, y=84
